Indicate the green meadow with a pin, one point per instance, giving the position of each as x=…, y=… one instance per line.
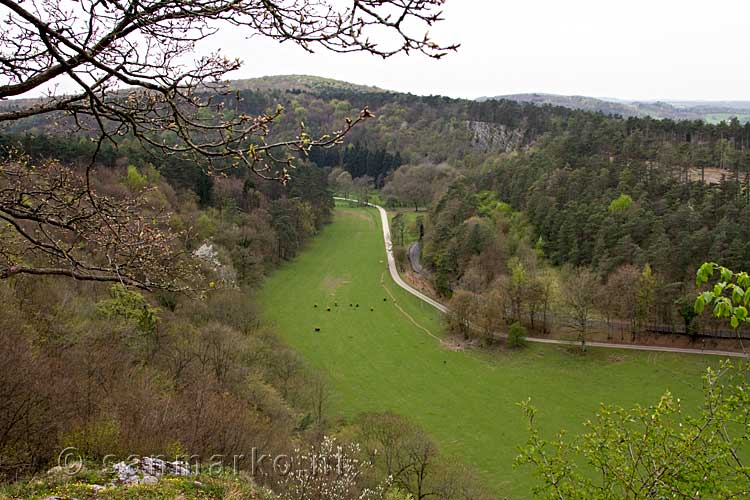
x=386, y=355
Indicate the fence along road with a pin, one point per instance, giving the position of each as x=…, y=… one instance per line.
x=443, y=309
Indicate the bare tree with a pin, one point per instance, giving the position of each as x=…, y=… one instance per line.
x=55, y=225
x=579, y=294
x=415, y=185
x=408, y=455
x=535, y=300
x=412, y=460
x=319, y=395
x=491, y=312
x=462, y=309
x=363, y=186
x=342, y=182
x=548, y=287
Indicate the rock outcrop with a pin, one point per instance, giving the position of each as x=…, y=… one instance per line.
x=489, y=136
x=147, y=470
x=144, y=471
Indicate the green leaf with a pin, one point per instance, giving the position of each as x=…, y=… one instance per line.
x=726, y=274
x=722, y=309
x=737, y=294
x=704, y=273
x=700, y=304
x=741, y=313
x=734, y=322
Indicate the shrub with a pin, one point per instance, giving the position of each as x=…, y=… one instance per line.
x=234, y=308
x=516, y=336
x=134, y=180
x=131, y=306
x=167, y=299
x=94, y=439
x=399, y=254
x=28, y=417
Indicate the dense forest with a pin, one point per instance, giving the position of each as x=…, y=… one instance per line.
x=172, y=368
x=611, y=199
x=621, y=197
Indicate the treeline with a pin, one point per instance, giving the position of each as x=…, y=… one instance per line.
x=434, y=128
x=585, y=132
x=359, y=161
x=42, y=143
x=489, y=261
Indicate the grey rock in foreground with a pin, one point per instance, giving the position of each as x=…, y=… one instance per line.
x=148, y=470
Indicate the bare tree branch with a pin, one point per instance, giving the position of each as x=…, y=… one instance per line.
x=55, y=225
x=128, y=59
x=131, y=61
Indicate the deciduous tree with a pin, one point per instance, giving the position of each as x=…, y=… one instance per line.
x=491, y=314
x=651, y=452
x=729, y=297
x=579, y=294
x=462, y=310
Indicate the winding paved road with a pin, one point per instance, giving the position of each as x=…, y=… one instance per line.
x=414, y=253
x=440, y=307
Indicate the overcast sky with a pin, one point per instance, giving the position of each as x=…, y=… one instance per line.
x=639, y=49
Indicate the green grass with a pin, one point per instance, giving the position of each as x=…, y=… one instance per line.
x=378, y=360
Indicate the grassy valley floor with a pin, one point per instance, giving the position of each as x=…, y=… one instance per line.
x=386, y=356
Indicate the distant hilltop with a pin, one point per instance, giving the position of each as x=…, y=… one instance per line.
x=710, y=111
x=300, y=82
